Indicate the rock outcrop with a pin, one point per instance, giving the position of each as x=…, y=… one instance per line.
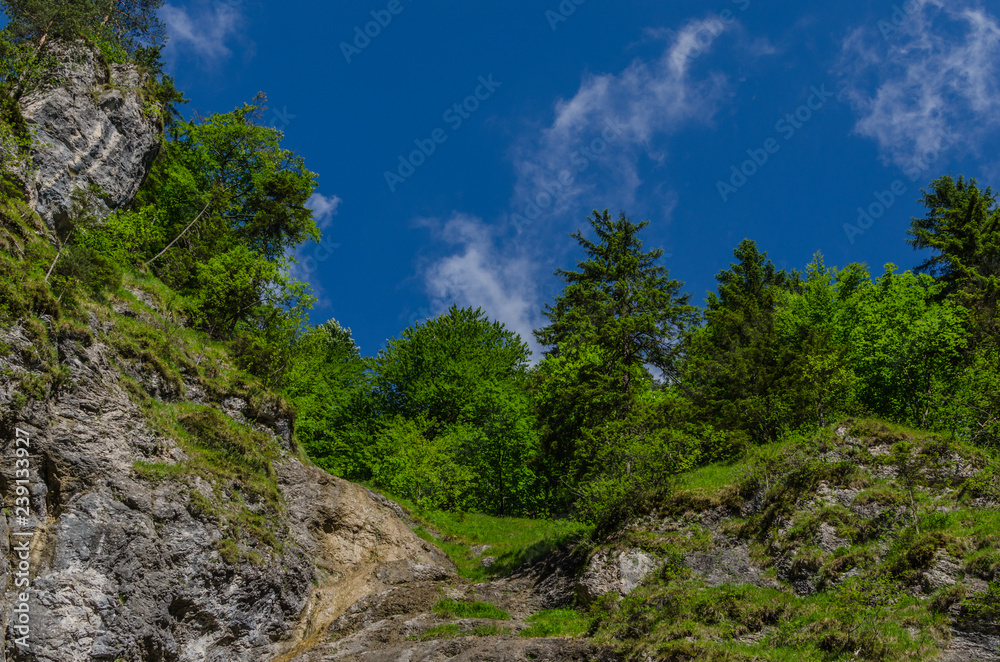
x=619, y=571
x=127, y=567
x=91, y=125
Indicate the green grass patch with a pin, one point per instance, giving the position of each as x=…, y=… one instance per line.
x=512, y=541
x=557, y=623
x=465, y=609
x=157, y=472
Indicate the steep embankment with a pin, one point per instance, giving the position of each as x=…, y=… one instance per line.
x=173, y=519
x=867, y=542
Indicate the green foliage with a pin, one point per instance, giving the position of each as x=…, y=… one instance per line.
x=740, y=367
x=905, y=348
x=126, y=24
x=451, y=421
x=961, y=228
x=636, y=462
x=326, y=383
x=409, y=459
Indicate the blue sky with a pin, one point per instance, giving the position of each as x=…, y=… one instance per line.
x=714, y=120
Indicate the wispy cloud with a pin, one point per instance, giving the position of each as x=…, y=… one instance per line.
x=613, y=119
x=323, y=208
x=924, y=79
x=202, y=29
x=478, y=274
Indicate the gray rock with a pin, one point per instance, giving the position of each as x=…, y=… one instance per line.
x=123, y=569
x=90, y=125
x=614, y=571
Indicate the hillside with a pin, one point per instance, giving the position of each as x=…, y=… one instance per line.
x=812, y=549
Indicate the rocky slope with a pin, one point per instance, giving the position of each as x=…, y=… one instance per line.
x=867, y=542
x=128, y=564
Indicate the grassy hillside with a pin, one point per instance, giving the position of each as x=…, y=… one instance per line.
x=867, y=541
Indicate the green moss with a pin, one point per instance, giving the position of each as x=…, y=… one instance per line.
x=228, y=550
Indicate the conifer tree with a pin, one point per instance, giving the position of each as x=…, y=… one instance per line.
x=736, y=362
x=962, y=227
x=618, y=313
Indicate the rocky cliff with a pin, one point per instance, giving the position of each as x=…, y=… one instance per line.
x=91, y=125
x=137, y=552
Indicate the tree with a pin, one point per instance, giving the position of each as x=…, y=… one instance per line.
x=328, y=386
x=621, y=301
x=822, y=382
x=906, y=347
x=618, y=313
x=132, y=24
x=234, y=168
x=463, y=378
x=738, y=367
x=232, y=202
x=962, y=227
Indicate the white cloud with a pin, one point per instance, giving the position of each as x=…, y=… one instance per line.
x=203, y=29
x=479, y=275
x=323, y=208
x=924, y=79
x=613, y=119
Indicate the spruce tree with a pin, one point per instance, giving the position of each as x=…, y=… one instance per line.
x=619, y=313
x=620, y=300
x=737, y=367
x=962, y=227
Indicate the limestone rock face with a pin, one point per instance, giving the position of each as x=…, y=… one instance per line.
x=125, y=568
x=90, y=126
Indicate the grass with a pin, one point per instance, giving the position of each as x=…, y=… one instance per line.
x=465, y=609
x=512, y=541
x=557, y=623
